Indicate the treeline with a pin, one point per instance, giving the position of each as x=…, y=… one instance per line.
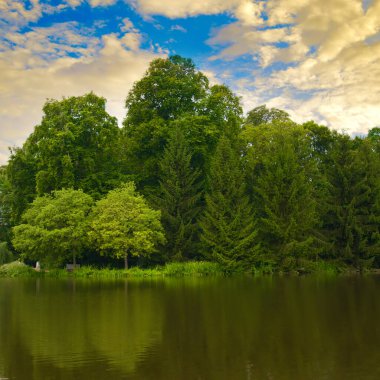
x=188, y=177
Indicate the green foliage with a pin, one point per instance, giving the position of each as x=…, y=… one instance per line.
x=54, y=227
x=179, y=198
x=173, y=94
x=19, y=185
x=76, y=146
x=123, y=224
x=6, y=256
x=264, y=115
x=193, y=268
x=170, y=88
x=223, y=109
x=228, y=227
x=272, y=194
x=353, y=217
x=17, y=269
x=282, y=189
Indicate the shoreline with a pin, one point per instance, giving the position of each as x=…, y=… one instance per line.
x=184, y=269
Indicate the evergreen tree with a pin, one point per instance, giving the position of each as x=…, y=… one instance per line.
x=228, y=227
x=282, y=189
x=179, y=199
x=352, y=220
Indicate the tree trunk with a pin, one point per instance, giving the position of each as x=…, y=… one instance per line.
x=126, y=260
x=74, y=261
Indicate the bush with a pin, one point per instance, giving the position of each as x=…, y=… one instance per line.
x=6, y=256
x=17, y=269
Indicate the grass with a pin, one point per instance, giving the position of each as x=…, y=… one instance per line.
x=183, y=269
x=186, y=269
x=17, y=269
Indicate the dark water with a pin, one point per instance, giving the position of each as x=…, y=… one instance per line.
x=268, y=328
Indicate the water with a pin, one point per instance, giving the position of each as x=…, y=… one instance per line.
x=200, y=328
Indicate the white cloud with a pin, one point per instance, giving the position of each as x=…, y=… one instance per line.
x=64, y=60
x=178, y=28
x=183, y=8
x=335, y=54
x=102, y=3
x=16, y=11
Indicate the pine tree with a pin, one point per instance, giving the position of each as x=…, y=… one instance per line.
x=352, y=221
x=228, y=227
x=282, y=189
x=179, y=199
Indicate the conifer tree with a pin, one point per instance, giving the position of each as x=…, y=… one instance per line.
x=228, y=227
x=352, y=220
x=282, y=189
x=179, y=198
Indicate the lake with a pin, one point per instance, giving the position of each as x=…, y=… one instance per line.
x=194, y=328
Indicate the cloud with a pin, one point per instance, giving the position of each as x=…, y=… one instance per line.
x=102, y=3
x=16, y=11
x=178, y=28
x=183, y=8
x=64, y=60
x=330, y=53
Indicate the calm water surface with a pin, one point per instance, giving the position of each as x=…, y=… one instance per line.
x=218, y=328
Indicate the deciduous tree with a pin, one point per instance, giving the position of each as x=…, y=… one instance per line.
x=123, y=224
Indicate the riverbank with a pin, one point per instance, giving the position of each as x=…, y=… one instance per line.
x=185, y=269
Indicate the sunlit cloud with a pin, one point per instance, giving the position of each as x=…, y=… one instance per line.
x=65, y=60
x=317, y=59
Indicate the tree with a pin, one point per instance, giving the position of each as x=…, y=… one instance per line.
x=264, y=115
x=174, y=94
x=123, y=224
x=223, y=109
x=76, y=145
x=228, y=229
x=170, y=88
x=54, y=227
x=281, y=185
x=352, y=220
x=19, y=182
x=179, y=197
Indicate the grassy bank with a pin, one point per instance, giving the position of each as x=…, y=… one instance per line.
x=192, y=268
x=186, y=269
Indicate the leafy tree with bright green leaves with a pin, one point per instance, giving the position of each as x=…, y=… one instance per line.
x=264, y=115
x=123, y=224
x=281, y=185
x=5, y=211
x=170, y=88
x=19, y=182
x=179, y=198
x=76, y=145
x=174, y=94
x=224, y=110
x=228, y=229
x=54, y=227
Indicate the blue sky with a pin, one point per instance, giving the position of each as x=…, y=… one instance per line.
x=317, y=59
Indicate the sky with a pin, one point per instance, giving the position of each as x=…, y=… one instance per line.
x=317, y=59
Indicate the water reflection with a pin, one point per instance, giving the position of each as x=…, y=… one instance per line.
x=268, y=328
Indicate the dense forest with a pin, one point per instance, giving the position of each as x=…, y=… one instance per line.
x=188, y=177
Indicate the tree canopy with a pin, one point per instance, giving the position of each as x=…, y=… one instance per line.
x=247, y=192
x=123, y=224
x=54, y=227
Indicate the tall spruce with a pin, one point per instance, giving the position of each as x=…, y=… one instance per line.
x=228, y=227
x=352, y=220
x=179, y=198
x=282, y=188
